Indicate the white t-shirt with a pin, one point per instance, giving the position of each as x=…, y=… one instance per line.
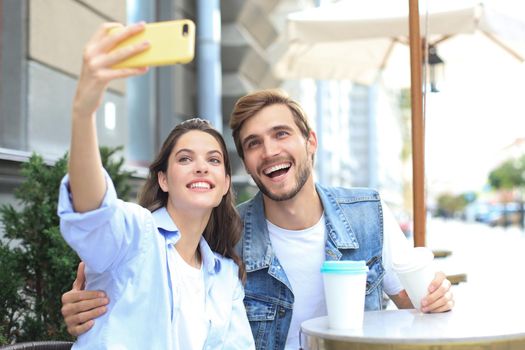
x=192, y=325
x=304, y=273
x=305, y=276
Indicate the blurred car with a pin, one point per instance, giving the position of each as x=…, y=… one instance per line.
x=504, y=215
x=477, y=211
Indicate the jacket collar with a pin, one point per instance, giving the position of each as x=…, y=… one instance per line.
x=338, y=227
x=257, y=249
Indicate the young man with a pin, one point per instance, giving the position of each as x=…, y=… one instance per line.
x=291, y=226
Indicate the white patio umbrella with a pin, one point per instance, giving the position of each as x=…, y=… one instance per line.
x=354, y=39
x=366, y=40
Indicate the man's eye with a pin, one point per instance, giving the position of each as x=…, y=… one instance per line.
x=252, y=143
x=280, y=134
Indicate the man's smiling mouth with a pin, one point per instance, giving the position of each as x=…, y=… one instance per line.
x=277, y=169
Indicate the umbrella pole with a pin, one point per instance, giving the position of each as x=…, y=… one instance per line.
x=418, y=136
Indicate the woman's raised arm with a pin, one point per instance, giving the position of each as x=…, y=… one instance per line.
x=86, y=178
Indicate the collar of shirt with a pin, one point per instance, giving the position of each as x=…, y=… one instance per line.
x=171, y=233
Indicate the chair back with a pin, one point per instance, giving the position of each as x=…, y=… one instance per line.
x=39, y=345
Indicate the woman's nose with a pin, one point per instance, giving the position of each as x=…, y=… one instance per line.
x=201, y=167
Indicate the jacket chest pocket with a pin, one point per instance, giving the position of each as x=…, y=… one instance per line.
x=261, y=315
x=259, y=310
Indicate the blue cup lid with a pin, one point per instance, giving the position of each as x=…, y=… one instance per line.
x=344, y=267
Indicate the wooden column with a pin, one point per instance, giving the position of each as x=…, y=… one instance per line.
x=418, y=125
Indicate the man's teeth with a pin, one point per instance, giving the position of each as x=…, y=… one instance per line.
x=200, y=185
x=275, y=168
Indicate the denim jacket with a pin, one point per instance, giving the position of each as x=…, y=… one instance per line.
x=354, y=227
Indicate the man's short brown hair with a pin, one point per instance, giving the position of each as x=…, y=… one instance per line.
x=251, y=104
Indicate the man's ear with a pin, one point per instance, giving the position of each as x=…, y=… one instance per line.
x=162, y=180
x=311, y=142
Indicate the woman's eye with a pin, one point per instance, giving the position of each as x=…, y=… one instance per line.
x=184, y=159
x=215, y=160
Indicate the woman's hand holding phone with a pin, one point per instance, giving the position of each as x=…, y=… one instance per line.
x=116, y=51
x=98, y=59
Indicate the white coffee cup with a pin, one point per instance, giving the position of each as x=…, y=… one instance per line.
x=416, y=271
x=345, y=287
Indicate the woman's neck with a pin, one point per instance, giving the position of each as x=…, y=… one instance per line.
x=191, y=227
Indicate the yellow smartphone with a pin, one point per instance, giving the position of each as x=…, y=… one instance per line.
x=171, y=42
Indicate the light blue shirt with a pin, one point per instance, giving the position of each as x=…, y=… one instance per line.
x=128, y=252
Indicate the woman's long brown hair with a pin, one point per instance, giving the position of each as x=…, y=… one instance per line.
x=224, y=228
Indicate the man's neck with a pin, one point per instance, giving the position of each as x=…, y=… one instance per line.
x=300, y=212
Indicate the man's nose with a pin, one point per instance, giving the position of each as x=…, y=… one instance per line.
x=270, y=148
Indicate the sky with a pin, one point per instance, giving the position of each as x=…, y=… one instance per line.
x=479, y=110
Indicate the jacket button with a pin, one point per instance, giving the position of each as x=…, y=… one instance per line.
x=282, y=312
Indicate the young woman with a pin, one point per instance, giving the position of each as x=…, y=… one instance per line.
x=168, y=264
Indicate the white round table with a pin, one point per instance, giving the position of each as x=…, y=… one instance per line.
x=482, y=328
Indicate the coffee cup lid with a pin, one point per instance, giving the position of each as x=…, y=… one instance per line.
x=344, y=267
x=414, y=259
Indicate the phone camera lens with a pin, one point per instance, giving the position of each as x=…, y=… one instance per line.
x=185, y=30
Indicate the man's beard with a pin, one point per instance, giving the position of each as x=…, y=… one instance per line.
x=303, y=173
